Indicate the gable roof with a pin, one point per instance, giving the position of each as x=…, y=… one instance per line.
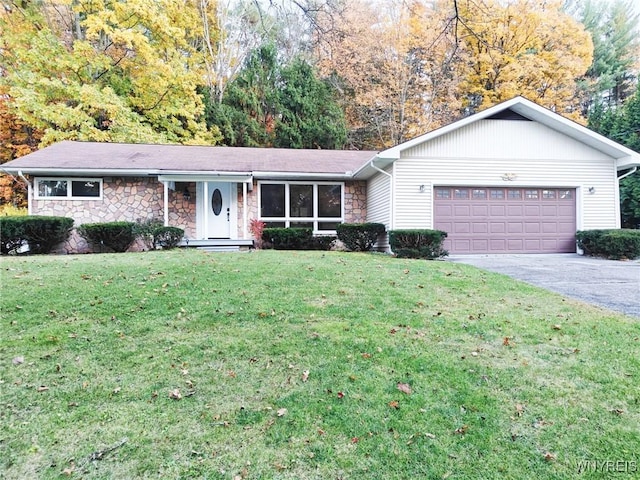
x=94, y=158
x=518, y=108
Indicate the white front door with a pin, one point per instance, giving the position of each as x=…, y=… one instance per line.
x=218, y=210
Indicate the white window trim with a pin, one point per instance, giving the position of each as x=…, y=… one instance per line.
x=287, y=219
x=69, y=187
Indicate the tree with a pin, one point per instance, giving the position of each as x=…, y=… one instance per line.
x=524, y=47
x=123, y=71
x=623, y=125
x=392, y=64
x=613, y=27
x=281, y=106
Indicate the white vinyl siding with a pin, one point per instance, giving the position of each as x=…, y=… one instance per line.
x=379, y=203
x=526, y=153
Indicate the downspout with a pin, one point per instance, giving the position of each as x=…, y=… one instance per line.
x=29, y=192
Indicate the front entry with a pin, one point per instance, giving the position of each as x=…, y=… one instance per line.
x=218, y=208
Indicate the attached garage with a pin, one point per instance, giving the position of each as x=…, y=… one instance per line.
x=515, y=178
x=506, y=220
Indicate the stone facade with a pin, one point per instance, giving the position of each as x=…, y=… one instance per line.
x=141, y=198
x=124, y=199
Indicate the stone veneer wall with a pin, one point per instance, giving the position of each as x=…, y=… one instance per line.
x=124, y=199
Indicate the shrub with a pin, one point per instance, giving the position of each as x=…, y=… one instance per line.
x=167, y=237
x=40, y=233
x=256, y=227
x=322, y=242
x=613, y=244
x=359, y=237
x=11, y=234
x=145, y=231
x=117, y=236
x=288, y=238
x=418, y=243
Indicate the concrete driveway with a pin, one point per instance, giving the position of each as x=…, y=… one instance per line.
x=606, y=283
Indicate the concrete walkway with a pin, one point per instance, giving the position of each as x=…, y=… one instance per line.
x=606, y=283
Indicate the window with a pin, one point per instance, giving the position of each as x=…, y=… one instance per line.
x=497, y=194
x=531, y=194
x=514, y=194
x=565, y=194
x=69, y=188
x=461, y=193
x=548, y=194
x=443, y=193
x=479, y=193
x=298, y=204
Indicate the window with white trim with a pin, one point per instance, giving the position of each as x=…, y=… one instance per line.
x=317, y=205
x=68, y=188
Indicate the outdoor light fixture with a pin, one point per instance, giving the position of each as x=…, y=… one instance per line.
x=186, y=195
x=421, y=188
x=592, y=190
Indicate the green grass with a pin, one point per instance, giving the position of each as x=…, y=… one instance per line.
x=507, y=380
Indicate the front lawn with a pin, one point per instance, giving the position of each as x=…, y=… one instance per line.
x=303, y=365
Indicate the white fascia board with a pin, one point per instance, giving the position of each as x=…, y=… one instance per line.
x=303, y=176
x=369, y=168
x=206, y=177
x=74, y=172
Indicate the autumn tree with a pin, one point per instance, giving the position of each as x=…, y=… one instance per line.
x=393, y=66
x=102, y=71
x=524, y=47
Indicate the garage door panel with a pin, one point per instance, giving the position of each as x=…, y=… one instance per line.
x=497, y=227
x=497, y=210
x=518, y=220
x=480, y=227
x=480, y=210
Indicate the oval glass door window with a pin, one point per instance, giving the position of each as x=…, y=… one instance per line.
x=216, y=202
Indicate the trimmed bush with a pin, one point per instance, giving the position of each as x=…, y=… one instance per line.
x=118, y=236
x=359, y=237
x=167, y=237
x=418, y=243
x=145, y=229
x=322, y=242
x=613, y=244
x=288, y=238
x=11, y=234
x=40, y=233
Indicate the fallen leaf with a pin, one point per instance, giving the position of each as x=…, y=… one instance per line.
x=430, y=435
x=394, y=404
x=557, y=327
x=506, y=342
x=519, y=409
x=282, y=412
x=175, y=394
x=305, y=375
x=67, y=472
x=617, y=411
x=461, y=430
x=340, y=395
x=231, y=373
x=550, y=457
x=404, y=388
x=366, y=355
x=355, y=440
x=18, y=360
x=117, y=389
x=321, y=432
x=42, y=388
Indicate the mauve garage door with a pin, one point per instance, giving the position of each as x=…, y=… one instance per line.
x=506, y=220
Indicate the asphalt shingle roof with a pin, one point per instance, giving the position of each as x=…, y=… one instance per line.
x=87, y=156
